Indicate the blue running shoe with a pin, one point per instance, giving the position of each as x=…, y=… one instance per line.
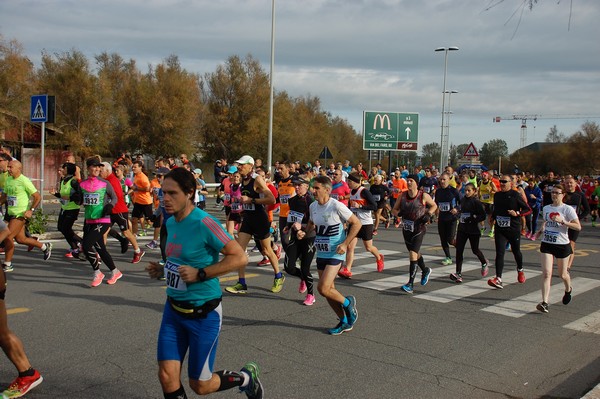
x=408, y=288
x=350, y=311
x=254, y=389
x=425, y=276
x=340, y=328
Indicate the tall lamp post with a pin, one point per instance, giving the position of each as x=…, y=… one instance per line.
x=446, y=150
x=443, y=139
x=270, y=139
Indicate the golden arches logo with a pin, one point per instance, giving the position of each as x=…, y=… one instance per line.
x=382, y=119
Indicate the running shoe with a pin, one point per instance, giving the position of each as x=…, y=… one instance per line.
x=447, y=261
x=340, y=328
x=456, y=277
x=491, y=234
x=2, y=251
x=264, y=262
x=98, y=277
x=567, y=297
x=48, y=251
x=408, y=288
x=532, y=236
x=254, y=389
x=425, y=276
x=495, y=282
x=350, y=310
x=69, y=254
x=521, y=276
x=278, y=284
x=124, y=246
x=374, y=232
x=21, y=385
x=482, y=230
x=255, y=249
x=345, y=273
x=7, y=268
x=302, y=288
x=542, y=307
x=484, y=269
x=116, y=274
x=238, y=288
x=137, y=256
x=152, y=244
x=387, y=223
x=278, y=251
x=380, y=263
x=310, y=300
x=397, y=223
x=593, y=223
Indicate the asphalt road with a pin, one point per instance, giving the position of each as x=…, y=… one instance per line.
x=445, y=341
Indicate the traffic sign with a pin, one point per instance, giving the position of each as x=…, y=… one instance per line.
x=39, y=108
x=471, y=151
x=391, y=131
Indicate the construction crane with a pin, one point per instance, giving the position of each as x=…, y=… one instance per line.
x=534, y=117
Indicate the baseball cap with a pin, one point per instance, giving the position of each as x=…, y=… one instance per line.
x=232, y=169
x=198, y=171
x=413, y=177
x=92, y=161
x=162, y=171
x=246, y=159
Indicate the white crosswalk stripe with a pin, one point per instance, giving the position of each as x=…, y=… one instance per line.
x=588, y=324
x=524, y=304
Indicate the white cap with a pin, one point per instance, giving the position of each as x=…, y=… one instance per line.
x=246, y=159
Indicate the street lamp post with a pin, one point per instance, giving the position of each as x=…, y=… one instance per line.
x=443, y=139
x=270, y=138
x=446, y=150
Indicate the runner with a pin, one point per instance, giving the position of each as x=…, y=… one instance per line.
x=98, y=200
x=509, y=206
x=120, y=212
x=534, y=200
x=303, y=249
x=416, y=209
x=361, y=204
x=578, y=201
x=28, y=377
x=70, y=197
x=327, y=218
x=558, y=219
x=380, y=193
x=486, y=192
x=448, y=202
x=286, y=191
x=142, y=198
x=192, y=315
x=18, y=191
x=471, y=214
x=255, y=222
x=339, y=189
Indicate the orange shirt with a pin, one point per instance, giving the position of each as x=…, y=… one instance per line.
x=141, y=189
x=155, y=187
x=398, y=186
x=286, y=191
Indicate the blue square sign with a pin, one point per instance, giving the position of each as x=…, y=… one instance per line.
x=39, y=108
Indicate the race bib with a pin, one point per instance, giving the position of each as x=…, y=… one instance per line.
x=408, y=225
x=227, y=197
x=377, y=197
x=444, y=206
x=63, y=201
x=322, y=244
x=503, y=221
x=550, y=236
x=464, y=216
x=335, y=196
x=11, y=200
x=236, y=207
x=295, y=217
x=172, y=277
x=248, y=207
x=284, y=199
x=427, y=189
x=91, y=199
x=485, y=197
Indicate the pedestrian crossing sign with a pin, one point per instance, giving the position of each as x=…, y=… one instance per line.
x=471, y=151
x=39, y=108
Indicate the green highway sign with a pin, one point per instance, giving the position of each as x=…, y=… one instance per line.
x=391, y=131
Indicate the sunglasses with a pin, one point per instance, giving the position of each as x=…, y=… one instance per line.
x=504, y=181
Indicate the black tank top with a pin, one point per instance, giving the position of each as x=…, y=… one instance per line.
x=248, y=190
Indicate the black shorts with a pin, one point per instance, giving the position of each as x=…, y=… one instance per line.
x=413, y=240
x=235, y=217
x=573, y=234
x=141, y=211
x=366, y=232
x=121, y=220
x=489, y=208
x=559, y=251
x=322, y=263
x=256, y=224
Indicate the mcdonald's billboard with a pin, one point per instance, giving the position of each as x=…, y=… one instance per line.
x=390, y=131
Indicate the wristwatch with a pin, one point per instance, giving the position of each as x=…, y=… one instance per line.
x=32, y=209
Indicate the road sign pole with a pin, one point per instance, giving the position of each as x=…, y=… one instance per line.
x=43, y=158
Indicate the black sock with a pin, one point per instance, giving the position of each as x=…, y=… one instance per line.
x=178, y=394
x=421, y=263
x=229, y=379
x=27, y=373
x=413, y=271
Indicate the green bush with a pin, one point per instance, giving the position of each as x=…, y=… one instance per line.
x=38, y=222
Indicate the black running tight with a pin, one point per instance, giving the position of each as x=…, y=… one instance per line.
x=461, y=242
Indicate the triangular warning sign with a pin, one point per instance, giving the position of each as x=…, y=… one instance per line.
x=38, y=113
x=471, y=151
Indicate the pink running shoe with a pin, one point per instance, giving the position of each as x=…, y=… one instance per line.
x=302, y=288
x=310, y=300
x=380, y=263
x=98, y=277
x=116, y=274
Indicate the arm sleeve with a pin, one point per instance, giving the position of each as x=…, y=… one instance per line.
x=370, y=204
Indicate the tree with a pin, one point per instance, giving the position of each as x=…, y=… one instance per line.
x=431, y=153
x=492, y=151
x=17, y=79
x=457, y=152
x=554, y=136
x=584, y=148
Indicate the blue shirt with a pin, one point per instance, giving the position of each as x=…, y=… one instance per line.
x=195, y=241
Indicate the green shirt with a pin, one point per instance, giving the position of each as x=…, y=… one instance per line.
x=17, y=193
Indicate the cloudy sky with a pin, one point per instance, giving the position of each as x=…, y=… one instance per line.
x=358, y=55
